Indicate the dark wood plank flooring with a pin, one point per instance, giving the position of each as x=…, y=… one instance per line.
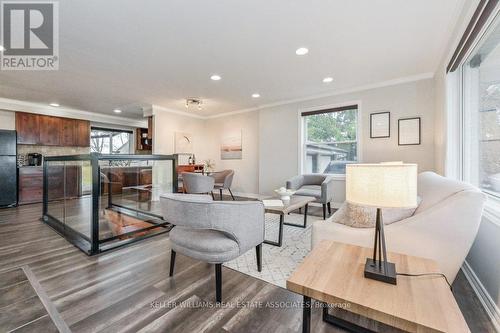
x=128, y=290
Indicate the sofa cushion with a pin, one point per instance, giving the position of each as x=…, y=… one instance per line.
x=203, y=244
x=357, y=216
x=433, y=188
x=310, y=191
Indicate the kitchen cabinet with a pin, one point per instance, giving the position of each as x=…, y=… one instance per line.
x=34, y=129
x=31, y=183
x=50, y=130
x=82, y=133
x=28, y=128
x=68, y=132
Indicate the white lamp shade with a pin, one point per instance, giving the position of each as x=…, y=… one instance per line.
x=385, y=185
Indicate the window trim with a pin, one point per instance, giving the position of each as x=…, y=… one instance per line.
x=116, y=130
x=319, y=109
x=492, y=206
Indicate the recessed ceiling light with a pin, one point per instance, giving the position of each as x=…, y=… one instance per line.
x=54, y=104
x=256, y=95
x=301, y=51
x=117, y=111
x=215, y=77
x=327, y=79
x=2, y=48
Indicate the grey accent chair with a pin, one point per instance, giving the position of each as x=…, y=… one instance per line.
x=223, y=181
x=196, y=183
x=213, y=231
x=318, y=186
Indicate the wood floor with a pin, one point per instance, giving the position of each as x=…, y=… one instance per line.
x=128, y=290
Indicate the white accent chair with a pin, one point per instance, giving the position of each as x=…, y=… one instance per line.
x=442, y=228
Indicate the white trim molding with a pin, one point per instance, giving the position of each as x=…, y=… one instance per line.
x=484, y=297
x=38, y=108
x=158, y=108
x=382, y=84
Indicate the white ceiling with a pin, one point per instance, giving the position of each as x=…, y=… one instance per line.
x=129, y=53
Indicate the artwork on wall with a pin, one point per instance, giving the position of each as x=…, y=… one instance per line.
x=409, y=131
x=380, y=125
x=231, y=147
x=183, y=143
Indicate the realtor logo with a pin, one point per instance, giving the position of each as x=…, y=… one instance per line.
x=30, y=35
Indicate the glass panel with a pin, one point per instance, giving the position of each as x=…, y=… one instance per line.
x=128, y=189
x=481, y=74
x=78, y=205
x=130, y=196
x=330, y=141
x=55, y=190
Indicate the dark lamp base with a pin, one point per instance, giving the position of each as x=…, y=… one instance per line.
x=377, y=272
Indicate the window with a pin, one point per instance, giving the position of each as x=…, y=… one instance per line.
x=111, y=141
x=480, y=134
x=330, y=139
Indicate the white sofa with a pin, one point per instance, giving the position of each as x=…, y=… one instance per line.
x=442, y=228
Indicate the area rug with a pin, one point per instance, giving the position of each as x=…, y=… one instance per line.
x=278, y=263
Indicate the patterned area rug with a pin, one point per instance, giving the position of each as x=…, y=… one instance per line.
x=278, y=263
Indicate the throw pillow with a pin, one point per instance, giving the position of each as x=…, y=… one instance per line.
x=364, y=217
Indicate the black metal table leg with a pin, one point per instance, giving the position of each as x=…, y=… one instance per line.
x=280, y=235
x=305, y=219
x=306, y=315
x=339, y=322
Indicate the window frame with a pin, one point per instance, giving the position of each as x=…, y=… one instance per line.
x=116, y=130
x=456, y=158
x=316, y=109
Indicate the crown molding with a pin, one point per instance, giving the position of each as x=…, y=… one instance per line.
x=38, y=108
x=156, y=108
x=388, y=83
x=22, y=106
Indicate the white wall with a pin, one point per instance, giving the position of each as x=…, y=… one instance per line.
x=7, y=120
x=279, y=130
x=167, y=123
x=246, y=177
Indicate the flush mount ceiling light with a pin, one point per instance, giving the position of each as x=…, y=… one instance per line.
x=215, y=77
x=301, y=51
x=194, y=101
x=328, y=79
x=256, y=95
x=2, y=48
x=54, y=104
x=117, y=111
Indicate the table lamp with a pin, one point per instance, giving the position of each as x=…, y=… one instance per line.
x=384, y=185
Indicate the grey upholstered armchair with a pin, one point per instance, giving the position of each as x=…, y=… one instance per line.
x=213, y=231
x=196, y=183
x=223, y=181
x=314, y=185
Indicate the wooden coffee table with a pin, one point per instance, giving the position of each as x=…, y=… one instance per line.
x=333, y=273
x=295, y=202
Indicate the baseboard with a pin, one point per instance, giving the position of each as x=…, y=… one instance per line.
x=484, y=297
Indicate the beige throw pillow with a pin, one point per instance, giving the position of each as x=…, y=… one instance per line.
x=364, y=217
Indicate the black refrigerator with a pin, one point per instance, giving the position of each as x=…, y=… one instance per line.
x=8, y=168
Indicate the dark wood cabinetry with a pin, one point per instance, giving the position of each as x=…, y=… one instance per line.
x=35, y=129
x=50, y=130
x=144, y=138
x=31, y=183
x=68, y=132
x=28, y=128
x=82, y=133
